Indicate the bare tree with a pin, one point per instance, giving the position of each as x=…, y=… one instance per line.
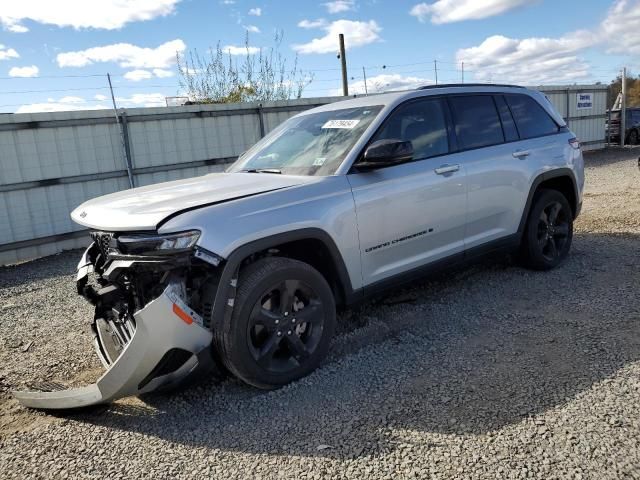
x=262, y=75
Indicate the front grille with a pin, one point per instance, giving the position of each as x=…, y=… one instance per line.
x=105, y=242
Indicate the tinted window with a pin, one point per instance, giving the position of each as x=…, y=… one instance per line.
x=510, y=132
x=476, y=121
x=531, y=119
x=422, y=123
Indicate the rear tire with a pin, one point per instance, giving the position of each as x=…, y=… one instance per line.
x=281, y=325
x=549, y=231
x=633, y=137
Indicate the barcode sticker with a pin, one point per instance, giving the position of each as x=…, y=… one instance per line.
x=341, y=124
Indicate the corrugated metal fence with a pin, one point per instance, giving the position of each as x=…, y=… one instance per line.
x=52, y=162
x=587, y=122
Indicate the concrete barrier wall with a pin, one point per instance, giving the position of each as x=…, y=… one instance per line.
x=52, y=162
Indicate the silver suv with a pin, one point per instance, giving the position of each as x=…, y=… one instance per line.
x=335, y=205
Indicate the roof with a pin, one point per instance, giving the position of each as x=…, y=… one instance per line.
x=393, y=98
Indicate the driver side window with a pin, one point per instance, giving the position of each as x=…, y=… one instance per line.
x=422, y=123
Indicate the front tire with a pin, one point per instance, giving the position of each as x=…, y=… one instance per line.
x=281, y=325
x=549, y=230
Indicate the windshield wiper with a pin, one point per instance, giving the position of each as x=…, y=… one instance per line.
x=261, y=170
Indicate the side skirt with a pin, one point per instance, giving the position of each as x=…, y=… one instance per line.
x=504, y=245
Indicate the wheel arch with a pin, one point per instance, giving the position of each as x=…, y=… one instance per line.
x=562, y=180
x=311, y=245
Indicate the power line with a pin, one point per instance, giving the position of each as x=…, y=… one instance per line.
x=60, y=76
x=58, y=90
x=54, y=90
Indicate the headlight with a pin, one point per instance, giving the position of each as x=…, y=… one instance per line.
x=158, y=244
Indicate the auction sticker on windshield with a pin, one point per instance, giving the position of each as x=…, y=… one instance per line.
x=341, y=124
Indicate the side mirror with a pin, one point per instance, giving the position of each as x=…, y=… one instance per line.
x=384, y=153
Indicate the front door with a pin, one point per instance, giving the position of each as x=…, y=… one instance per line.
x=411, y=214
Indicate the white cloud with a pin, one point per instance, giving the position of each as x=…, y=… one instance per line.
x=141, y=74
x=72, y=99
x=125, y=54
x=142, y=100
x=252, y=28
x=256, y=12
x=621, y=27
x=16, y=28
x=24, y=72
x=99, y=102
x=137, y=75
x=356, y=34
x=161, y=73
x=104, y=14
x=64, y=104
x=384, y=83
x=6, y=53
x=529, y=60
x=554, y=60
x=446, y=11
x=338, y=6
x=235, y=50
x=319, y=23
x=228, y=2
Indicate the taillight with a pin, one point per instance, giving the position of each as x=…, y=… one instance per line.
x=574, y=143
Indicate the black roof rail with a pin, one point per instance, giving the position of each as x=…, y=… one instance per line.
x=462, y=85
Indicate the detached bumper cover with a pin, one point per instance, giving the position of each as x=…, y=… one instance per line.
x=162, y=329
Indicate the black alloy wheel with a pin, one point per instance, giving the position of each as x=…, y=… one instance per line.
x=281, y=325
x=553, y=230
x=285, y=326
x=549, y=230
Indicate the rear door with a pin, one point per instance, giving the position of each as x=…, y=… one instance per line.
x=495, y=178
x=504, y=140
x=411, y=214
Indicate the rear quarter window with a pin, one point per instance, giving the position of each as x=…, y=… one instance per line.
x=531, y=119
x=508, y=125
x=476, y=121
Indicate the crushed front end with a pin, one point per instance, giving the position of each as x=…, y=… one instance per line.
x=151, y=324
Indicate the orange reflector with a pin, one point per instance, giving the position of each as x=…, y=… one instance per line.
x=184, y=316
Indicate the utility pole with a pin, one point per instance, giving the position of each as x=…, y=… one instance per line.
x=462, y=70
x=364, y=75
x=127, y=161
x=343, y=61
x=623, y=109
x=435, y=69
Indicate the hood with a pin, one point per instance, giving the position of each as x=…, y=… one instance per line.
x=144, y=208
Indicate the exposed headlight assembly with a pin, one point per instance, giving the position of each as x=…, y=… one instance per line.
x=134, y=244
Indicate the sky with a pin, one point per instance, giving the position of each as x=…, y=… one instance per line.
x=54, y=55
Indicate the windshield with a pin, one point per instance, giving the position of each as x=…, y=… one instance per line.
x=313, y=144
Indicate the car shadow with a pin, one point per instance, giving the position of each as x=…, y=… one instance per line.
x=455, y=362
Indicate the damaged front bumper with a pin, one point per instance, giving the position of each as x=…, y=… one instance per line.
x=158, y=345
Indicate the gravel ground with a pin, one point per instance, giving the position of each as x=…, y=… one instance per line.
x=491, y=371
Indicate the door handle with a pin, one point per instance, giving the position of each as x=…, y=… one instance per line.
x=521, y=154
x=441, y=170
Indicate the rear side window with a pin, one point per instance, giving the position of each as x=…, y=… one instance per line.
x=510, y=132
x=422, y=123
x=476, y=121
x=531, y=119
